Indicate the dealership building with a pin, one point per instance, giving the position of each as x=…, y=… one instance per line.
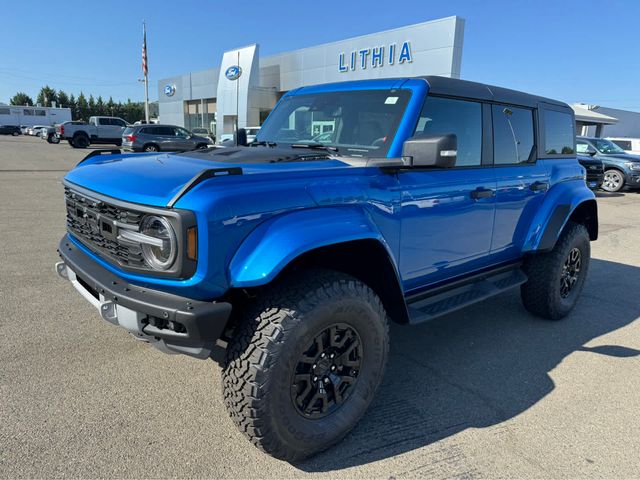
x=245, y=87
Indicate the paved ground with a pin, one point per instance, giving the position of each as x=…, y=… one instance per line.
x=488, y=392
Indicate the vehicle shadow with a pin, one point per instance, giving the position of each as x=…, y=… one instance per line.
x=603, y=194
x=480, y=367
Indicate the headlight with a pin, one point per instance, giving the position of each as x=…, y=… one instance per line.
x=162, y=254
x=635, y=166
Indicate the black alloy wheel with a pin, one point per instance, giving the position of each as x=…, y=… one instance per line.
x=327, y=371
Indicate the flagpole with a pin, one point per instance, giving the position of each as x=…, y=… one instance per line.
x=146, y=77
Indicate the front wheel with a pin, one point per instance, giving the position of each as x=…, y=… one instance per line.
x=613, y=181
x=304, y=365
x=151, y=148
x=15, y=134
x=556, y=278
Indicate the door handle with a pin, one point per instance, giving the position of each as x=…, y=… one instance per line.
x=538, y=186
x=482, y=192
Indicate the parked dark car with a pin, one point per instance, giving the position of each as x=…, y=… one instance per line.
x=165, y=138
x=10, y=130
x=595, y=171
x=620, y=168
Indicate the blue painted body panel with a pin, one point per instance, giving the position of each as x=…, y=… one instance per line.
x=251, y=226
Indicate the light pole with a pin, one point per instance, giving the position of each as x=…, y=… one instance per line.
x=145, y=80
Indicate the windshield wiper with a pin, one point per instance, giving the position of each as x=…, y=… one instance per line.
x=317, y=146
x=262, y=143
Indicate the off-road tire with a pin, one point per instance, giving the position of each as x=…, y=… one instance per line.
x=81, y=141
x=541, y=294
x=266, y=348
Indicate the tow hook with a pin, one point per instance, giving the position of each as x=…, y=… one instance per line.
x=61, y=270
x=109, y=313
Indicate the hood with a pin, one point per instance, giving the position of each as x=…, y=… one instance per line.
x=154, y=179
x=622, y=156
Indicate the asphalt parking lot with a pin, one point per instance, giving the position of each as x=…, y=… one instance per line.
x=488, y=392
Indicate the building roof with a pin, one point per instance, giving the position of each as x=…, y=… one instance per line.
x=589, y=117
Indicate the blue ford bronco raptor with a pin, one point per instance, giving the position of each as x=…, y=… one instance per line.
x=358, y=204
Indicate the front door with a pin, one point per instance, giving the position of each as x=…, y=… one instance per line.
x=447, y=214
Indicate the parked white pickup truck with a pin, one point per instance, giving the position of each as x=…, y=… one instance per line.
x=98, y=130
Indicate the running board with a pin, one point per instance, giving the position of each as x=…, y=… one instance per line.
x=444, y=302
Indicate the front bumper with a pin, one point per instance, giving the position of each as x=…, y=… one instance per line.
x=171, y=323
x=633, y=179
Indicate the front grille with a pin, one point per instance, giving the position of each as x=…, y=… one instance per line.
x=96, y=224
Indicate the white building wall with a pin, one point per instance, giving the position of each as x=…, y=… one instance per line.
x=435, y=49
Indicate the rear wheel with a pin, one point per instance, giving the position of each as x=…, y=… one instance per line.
x=556, y=278
x=305, y=364
x=613, y=181
x=81, y=141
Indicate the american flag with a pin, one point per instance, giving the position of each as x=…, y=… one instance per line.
x=145, y=63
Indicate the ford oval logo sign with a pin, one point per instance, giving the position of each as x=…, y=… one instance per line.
x=233, y=72
x=169, y=90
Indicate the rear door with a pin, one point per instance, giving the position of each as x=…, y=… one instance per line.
x=182, y=139
x=522, y=179
x=447, y=214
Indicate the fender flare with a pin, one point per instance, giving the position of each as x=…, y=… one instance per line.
x=274, y=244
x=560, y=204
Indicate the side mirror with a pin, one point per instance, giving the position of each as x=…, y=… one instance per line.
x=241, y=137
x=439, y=151
x=591, y=151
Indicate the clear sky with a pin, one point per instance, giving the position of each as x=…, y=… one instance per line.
x=574, y=51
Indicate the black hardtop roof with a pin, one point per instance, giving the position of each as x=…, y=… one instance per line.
x=480, y=91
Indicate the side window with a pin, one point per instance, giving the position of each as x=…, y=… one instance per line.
x=103, y=121
x=463, y=118
x=512, y=134
x=166, y=131
x=581, y=147
x=558, y=133
x=118, y=122
x=181, y=132
x=623, y=144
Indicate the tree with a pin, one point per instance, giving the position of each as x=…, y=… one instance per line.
x=92, y=106
x=100, y=107
x=46, y=96
x=73, y=106
x=83, y=107
x=21, y=98
x=63, y=99
x=110, y=107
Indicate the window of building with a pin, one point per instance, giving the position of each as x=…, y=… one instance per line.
x=512, y=135
x=559, y=133
x=27, y=112
x=441, y=116
x=40, y=113
x=5, y=111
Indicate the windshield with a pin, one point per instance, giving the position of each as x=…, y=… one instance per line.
x=358, y=123
x=605, y=146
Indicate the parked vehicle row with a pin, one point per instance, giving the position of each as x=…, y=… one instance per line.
x=620, y=168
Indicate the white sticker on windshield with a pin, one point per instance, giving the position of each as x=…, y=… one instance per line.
x=391, y=100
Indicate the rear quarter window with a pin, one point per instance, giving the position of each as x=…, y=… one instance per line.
x=559, y=133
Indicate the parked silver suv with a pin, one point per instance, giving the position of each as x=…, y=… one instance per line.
x=165, y=138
